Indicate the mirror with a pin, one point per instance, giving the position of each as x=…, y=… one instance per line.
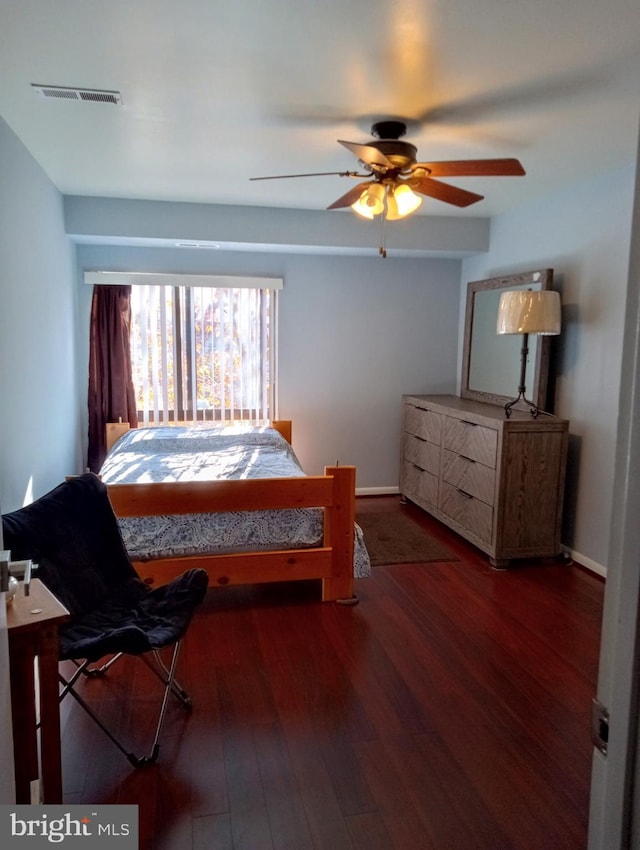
x=491, y=362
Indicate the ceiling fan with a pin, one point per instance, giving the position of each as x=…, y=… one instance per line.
x=395, y=175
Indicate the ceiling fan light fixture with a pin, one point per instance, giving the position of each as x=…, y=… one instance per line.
x=392, y=213
x=370, y=202
x=362, y=210
x=405, y=200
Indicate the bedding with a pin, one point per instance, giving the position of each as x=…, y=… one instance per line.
x=230, y=452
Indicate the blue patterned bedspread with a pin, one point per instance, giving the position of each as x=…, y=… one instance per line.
x=209, y=454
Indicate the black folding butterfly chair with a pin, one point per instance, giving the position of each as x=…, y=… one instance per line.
x=73, y=536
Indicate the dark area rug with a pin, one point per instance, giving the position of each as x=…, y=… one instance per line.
x=395, y=538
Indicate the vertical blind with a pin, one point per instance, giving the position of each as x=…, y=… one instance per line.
x=203, y=354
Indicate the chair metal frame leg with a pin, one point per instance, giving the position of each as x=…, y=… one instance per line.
x=170, y=685
x=176, y=687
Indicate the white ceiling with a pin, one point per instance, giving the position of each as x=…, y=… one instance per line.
x=217, y=91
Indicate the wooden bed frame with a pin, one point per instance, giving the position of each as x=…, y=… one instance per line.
x=332, y=561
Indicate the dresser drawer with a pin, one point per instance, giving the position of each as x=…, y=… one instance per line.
x=472, y=441
x=423, y=423
x=470, y=513
x=422, y=453
x=472, y=477
x=419, y=485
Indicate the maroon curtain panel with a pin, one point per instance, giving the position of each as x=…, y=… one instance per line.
x=111, y=394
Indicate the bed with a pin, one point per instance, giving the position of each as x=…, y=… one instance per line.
x=234, y=500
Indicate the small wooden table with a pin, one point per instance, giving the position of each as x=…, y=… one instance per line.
x=32, y=623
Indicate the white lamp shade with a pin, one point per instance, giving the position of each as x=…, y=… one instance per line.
x=529, y=312
x=371, y=201
x=406, y=201
x=392, y=213
x=362, y=210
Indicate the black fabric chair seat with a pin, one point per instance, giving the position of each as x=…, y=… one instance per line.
x=73, y=536
x=135, y=619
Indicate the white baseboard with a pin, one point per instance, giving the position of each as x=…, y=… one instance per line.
x=587, y=563
x=377, y=491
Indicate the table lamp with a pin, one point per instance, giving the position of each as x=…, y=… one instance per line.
x=528, y=312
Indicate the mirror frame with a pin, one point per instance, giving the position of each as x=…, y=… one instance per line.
x=537, y=392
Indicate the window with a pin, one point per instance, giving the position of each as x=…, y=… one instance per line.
x=203, y=353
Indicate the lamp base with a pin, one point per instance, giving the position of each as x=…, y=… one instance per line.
x=533, y=408
x=524, y=351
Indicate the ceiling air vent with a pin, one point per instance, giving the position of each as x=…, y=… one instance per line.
x=66, y=93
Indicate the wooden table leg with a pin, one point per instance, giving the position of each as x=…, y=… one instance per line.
x=50, y=748
x=33, y=620
x=23, y=709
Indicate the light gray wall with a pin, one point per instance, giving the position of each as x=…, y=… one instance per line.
x=39, y=422
x=583, y=233
x=354, y=335
x=332, y=232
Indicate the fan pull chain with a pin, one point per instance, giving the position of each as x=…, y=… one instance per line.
x=383, y=220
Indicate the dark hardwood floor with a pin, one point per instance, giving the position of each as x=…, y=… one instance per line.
x=449, y=710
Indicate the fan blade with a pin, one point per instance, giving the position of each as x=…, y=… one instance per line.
x=473, y=168
x=558, y=88
x=351, y=196
x=312, y=174
x=367, y=154
x=444, y=192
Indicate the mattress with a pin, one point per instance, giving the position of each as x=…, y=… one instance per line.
x=165, y=454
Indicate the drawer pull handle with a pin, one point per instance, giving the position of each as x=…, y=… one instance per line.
x=466, y=422
x=468, y=459
x=462, y=493
x=415, y=466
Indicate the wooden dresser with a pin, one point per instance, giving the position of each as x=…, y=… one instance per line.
x=496, y=481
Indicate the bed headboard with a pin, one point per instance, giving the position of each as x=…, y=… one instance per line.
x=283, y=427
x=114, y=430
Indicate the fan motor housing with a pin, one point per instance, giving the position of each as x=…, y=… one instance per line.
x=401, y=154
